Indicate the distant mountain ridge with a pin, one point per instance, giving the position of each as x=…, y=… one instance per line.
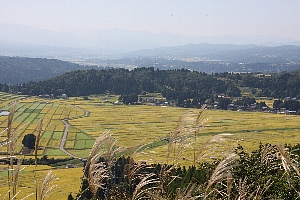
x=18, y=70
x=220, y=57
x=113, y=41
x=227, y=52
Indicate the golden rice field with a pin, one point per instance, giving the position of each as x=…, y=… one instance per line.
x=133, y=127
x=67, y=181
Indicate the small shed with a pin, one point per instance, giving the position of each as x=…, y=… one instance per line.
x=4, y=113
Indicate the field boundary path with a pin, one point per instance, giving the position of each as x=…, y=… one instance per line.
x=65, y=134
x=64, y=138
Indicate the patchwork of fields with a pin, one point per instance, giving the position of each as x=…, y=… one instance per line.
x=144, y=130
x=135, y=126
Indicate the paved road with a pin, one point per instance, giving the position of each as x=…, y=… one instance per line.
x=64, y=138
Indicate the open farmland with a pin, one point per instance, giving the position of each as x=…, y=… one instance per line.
x=144, y=129
x=135, y=126
x=222, y=131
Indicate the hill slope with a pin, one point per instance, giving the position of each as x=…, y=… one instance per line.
x=18, y=70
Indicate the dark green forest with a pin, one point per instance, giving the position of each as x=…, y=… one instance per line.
x=173, y=84
x=181, y=85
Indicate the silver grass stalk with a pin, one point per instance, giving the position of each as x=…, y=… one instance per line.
x=112, y=150
x=16, y=176
x=15, y=195
x=97, y=173
x=223, y=170
x=37, y=140
x=243, y=188
x=147, y=181
x=3, y=131
x=186, y=194
x=259, y=192
x=46, y=186
x=10, y=144
x=165, y=177
x=177, y=138
x=97, y=146
x=132, y=171
x=289, y=164
x=27, y=196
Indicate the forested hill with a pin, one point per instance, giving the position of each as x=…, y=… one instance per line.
x=18, y=70
x=173, y=84
x=179, y=85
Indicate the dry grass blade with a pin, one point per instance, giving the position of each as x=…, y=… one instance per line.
x=97, y=146
x=3, y=131
x=221, y=171
x=187, y=193
x=243, y=188
x=27, y=196
x=147, y=181
x=46, y=187
x=260, y=191
x=3, y=142
x=132, y=171
x=112, y=150
x=268, y=156
x=11, y=133
x=165, y=177
x=10, y=144
x=16, y=176
x=97, y=173
x=15, y=195
x=37, y=138
x=287, y=162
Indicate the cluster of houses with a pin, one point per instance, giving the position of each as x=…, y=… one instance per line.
x=152, y=101
x=51, y=96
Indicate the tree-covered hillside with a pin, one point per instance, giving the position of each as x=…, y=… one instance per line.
x=182, y=86
x=173, y=84
x=278, y=85
x=18, y=70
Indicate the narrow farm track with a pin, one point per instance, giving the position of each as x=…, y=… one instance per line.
x=64, y=138
x=65, y=134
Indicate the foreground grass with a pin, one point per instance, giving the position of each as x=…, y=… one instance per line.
x=68, y=181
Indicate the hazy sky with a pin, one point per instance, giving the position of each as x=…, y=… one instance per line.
x=186, y=17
